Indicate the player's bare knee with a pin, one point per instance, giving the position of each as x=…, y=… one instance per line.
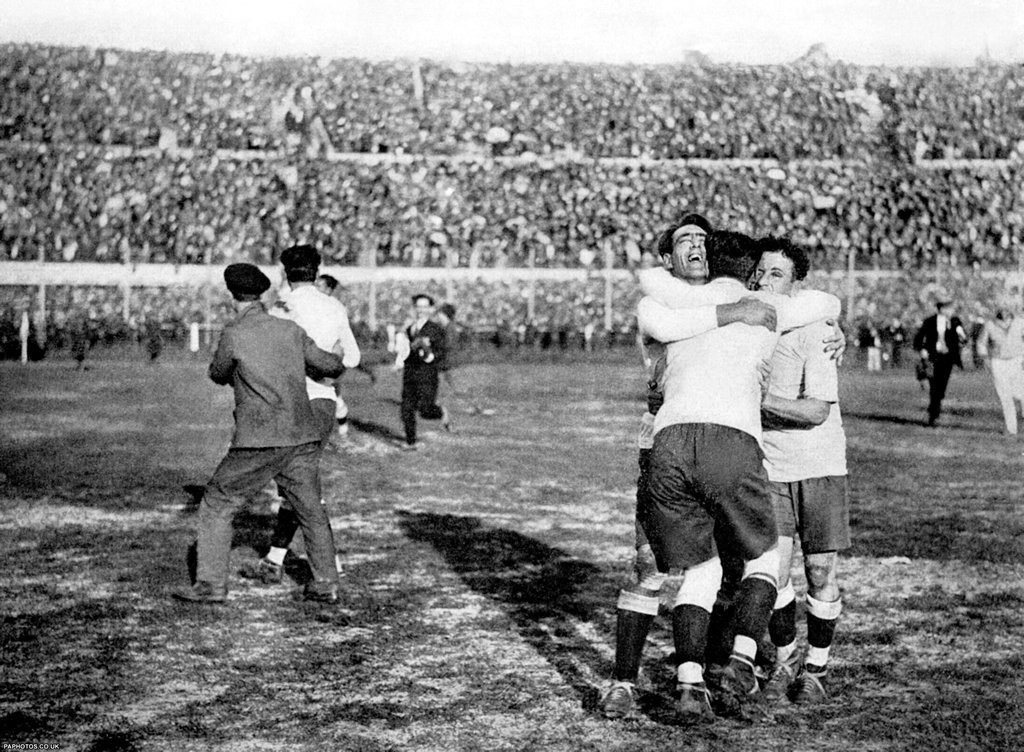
x=785, y=551
x=645, y=565
x=822, y=579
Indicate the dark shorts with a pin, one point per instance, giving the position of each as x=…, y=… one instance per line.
x=706, y=482
x=817, y=510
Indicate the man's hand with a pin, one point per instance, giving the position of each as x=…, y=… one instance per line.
x=747, y=310
x=835, y=343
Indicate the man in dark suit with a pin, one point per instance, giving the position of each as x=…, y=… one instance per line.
x=938, y=342
x=428, y=356
x=265, y=360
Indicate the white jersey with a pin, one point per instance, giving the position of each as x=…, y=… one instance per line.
x=801, y=368
x=714, y=377
x=325, y=320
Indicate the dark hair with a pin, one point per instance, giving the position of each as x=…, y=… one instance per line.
x=423, y=295
x=665, y=239
x=731, y=254
x=300, y=274
x=448, y=310
x=300, y=263
x=331, y=282
x=789, y=249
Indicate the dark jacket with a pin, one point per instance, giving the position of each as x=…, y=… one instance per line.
x=266, y=359
x=430, y=340
x=927, y=338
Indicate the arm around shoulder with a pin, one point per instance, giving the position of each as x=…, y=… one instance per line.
x=319, y=363
x=665, y=324
x=806, y=307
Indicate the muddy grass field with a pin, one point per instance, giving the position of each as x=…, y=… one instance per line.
x=480, y=574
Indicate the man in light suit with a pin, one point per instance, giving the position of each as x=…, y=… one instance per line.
x=938, y=342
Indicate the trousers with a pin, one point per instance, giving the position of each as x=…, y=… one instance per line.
x=238, y=478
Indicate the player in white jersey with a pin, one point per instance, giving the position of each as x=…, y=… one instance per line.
x=805, y=453
x=706, y=464
x=325, y=320
x=682, y=253
x=328, y=285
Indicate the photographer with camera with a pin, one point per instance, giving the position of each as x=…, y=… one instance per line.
x=428, y=356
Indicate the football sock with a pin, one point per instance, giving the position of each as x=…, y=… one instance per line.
x=690, y=634
x=782, y=625
x=822, y=617
x=745, y=646
x=816, y=658
x=630, y=635
x=720, y=635
x=754, y=601
x=276, y=556
x=284, y=529
x=784, y=652
x=690, y=673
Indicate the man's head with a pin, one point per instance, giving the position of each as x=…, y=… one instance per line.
x=245, y=282
x=326, y=284
x=731, y=254
x=943, y=303
x=681, y=248
x=446, y=312
x=781, y=265
x=423, y=306
x=300, y=263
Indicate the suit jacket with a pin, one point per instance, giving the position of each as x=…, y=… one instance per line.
x=431, y=339
x=927, y=338
x=265, y=360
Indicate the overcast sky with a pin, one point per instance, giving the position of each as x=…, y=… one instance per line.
x=896, y=32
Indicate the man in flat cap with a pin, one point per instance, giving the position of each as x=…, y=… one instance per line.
x=325, y=320
x=265, y=360
x=938, y=342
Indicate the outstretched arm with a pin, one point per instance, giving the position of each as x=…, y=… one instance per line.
x=669, y=325
x=803, y=308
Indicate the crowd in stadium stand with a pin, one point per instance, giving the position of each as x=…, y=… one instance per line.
x=812, y=109
x=110, y=156
x=85, y=204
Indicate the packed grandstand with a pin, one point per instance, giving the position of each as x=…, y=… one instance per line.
x=153, y=157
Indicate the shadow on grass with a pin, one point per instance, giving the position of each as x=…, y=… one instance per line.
x=886, y=532
x=116, y=470
x=876, y=417
x=376, y=429
x=546, y=592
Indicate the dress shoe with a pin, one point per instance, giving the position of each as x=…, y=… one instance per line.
x=201, y=592
x=320, y=594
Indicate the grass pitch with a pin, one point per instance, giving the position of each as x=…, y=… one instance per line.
x=480, y=574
